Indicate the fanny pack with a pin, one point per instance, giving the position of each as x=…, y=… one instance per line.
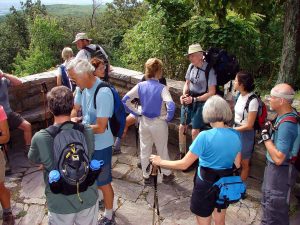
x=227, y=188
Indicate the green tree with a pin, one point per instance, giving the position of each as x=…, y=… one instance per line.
x=47, y=40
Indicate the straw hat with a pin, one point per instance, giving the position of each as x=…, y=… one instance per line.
x=194, y=48
x=81, y=36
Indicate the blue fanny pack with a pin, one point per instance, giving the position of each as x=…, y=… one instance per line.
x=229, y=190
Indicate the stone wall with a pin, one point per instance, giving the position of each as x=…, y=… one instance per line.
x=27, y=99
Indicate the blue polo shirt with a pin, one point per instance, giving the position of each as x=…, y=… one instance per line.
x=217, y=148
x=105, y=107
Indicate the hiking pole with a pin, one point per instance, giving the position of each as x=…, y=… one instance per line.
x=154, y=174
x=44, y=90
x=185, y=119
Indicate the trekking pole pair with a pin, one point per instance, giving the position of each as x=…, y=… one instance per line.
x=154, y=173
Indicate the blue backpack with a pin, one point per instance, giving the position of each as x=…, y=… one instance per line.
x=118, y=119
x=229, y=190
x=65, y=79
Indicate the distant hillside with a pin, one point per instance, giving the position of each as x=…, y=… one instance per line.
x=71, y=10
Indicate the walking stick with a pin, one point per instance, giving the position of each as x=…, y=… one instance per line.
x=154, y=173
x=44, y=90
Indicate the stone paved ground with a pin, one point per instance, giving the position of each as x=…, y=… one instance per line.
x=132, y=200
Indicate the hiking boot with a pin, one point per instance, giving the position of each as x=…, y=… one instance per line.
x=116, y=151
x=168, y=179
x=149, y=182
x=105, y=221
x=8, y=219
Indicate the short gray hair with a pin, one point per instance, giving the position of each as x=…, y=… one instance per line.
x=67, y=53
x=80, y=66
x=216, y=109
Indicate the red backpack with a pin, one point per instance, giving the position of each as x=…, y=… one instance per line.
x=262, y=112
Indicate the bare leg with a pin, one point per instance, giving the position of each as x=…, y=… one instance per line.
x=245, y=169
x=203, y=220
x=219, y=217
x=108, y=195
x=4, y=196
x=26, y=127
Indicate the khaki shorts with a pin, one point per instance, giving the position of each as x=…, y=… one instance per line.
x=2, y=167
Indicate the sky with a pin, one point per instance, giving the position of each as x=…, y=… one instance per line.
x=6, y=4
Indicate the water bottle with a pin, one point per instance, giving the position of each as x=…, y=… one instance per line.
x=95, y=168
x=55, y=181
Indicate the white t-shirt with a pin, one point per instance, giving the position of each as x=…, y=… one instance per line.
x=239, y=108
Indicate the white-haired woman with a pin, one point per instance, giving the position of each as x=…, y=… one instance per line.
x=62, y=74
x=215, y=152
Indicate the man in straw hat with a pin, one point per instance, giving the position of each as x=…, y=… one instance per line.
x=197, y=89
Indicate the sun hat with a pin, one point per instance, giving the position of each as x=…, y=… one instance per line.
x=81, y=36
x=194, y=48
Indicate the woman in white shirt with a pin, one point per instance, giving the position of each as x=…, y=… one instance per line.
x=246, y=109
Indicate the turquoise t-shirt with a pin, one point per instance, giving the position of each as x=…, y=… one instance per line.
x=284, y=138
x=217, y=148
x=105, y=107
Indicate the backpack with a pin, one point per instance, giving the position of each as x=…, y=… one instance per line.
x=70, y=157
x=65, y=79
x=225, y=66
x=118, y=119
x=262, y=112
x=295, y=154
x=99, y=52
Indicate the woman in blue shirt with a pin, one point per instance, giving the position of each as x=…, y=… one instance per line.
x=218, y=149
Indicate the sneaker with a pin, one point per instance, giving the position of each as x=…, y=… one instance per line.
x=116, y=151
x=105, y=221
x=168, y=179
x=8, y=219
x=149, y=182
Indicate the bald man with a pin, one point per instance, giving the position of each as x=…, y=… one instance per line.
x=280, y=174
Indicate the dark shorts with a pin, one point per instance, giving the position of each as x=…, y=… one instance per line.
x=193, y=115
x=14, y=120
x=247, y=138
x=203, y=204
x=105, y=177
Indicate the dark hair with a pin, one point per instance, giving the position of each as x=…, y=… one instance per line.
x=246, y=79
x=60, y=101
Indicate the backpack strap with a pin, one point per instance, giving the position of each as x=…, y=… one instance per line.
x=291, y=117
x=55, y=130
x=251, y=97
x=207, y=70
x=101, y=85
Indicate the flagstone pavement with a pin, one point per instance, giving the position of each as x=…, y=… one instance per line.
x=133, y=202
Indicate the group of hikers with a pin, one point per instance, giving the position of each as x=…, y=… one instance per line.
x=76, y=151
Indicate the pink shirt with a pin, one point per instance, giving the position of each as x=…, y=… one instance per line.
x=2, y=114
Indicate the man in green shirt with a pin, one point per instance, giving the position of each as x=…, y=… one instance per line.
x=64, y=209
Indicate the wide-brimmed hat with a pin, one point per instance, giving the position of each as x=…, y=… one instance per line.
x=81, y=36
x=194, y=48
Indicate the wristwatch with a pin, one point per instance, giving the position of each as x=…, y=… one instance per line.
x=265, y=137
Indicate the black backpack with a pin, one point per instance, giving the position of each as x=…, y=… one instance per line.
x=225, y=65
x=70, y=157
x=99, y=52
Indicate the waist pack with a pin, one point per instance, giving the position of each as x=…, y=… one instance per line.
x=229, y=190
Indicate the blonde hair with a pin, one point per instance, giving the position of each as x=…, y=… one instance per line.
x=216, y=109
x=152, y=66
x=67, y=53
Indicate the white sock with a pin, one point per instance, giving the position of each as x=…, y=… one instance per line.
x=108, y=213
